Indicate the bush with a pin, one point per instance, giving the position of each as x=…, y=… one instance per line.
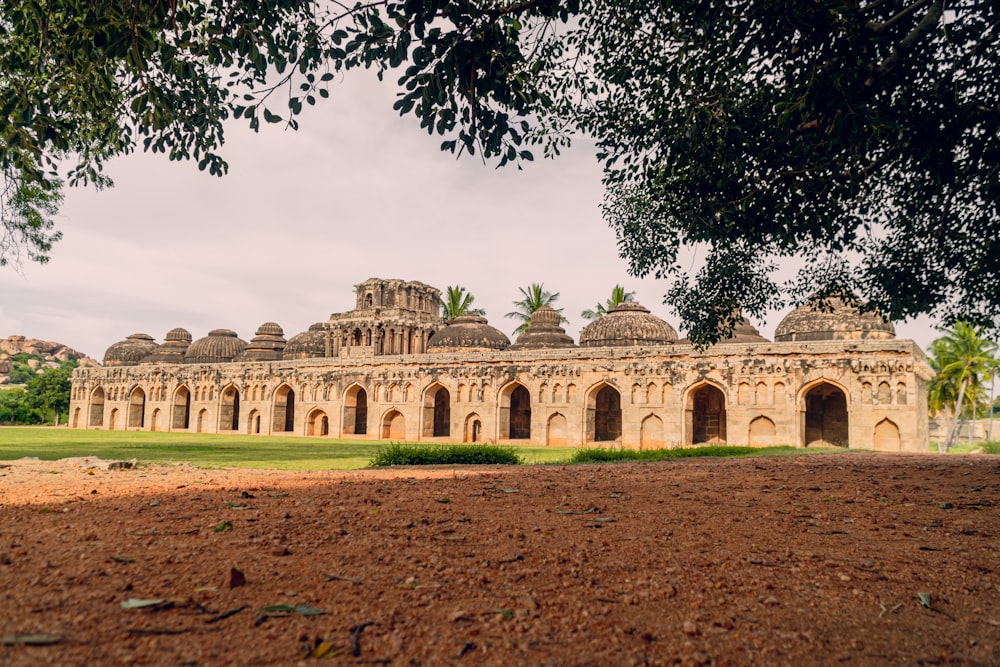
x=617, y=454
x=399, y=454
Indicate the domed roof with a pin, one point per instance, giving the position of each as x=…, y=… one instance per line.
x=129, y=352
x=219, y=346
x=627, y=324
x=175, y=346
x=544, y=332
x=468, y=332
x=744, y=332
x=308, y=344
x=839, y=318
x=267, y=345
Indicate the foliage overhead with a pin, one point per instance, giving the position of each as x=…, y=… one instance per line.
x=860, y=135
x=458, y=302
x=618, y=296
x=965, y=363
x=533, y=297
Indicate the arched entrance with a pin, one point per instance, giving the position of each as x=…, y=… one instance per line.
x=394, y=426
x=229, y=410
x=154, y=422
x=318, y=423
x=556, y=431
x=761, y=433
x=253, y=423
x=180, y=416
x=113, y=420
x=651, y=433
x=515, y=412
x=826, y=420
x=604, y=415
x=886, y=437
x=356, y=411
x=473, y=428
x=437, y=412
x=707, y=415
x=136, y=409
x=284, y=410
x=96, y=408
x=202, y=418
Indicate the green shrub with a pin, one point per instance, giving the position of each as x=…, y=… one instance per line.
x=400, y=454
x=618, y=454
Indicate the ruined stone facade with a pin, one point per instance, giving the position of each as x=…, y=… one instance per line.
x=392, y=369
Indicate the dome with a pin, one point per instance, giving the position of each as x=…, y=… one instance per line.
x=267, y=345
x=219, y=346
x=308, y=344
x=175, y=345
x=744, y=332
x=543, y=332
x=468, y=332
x=840, y=318
x=129, y=352
x=627, y=324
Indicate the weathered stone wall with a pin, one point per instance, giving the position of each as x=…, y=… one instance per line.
x=765, y=391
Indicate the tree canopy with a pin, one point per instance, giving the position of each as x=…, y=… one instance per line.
x=457, y=302
x=965, y=362
x=862, y=136
x=533, y=297
x=618, y=296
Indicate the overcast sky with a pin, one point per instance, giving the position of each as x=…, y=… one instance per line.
x=304, y=216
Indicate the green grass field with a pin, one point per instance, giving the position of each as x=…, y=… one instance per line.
x=211, y=451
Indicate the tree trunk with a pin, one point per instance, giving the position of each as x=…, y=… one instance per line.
x=958, y=415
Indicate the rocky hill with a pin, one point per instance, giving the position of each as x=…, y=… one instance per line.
x=34, y=354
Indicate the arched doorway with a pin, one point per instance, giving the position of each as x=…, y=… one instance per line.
x=76, y=418
x=515, y=412
x=318, y=423
x=96, y=408
x=651, y=433
x=136, y=409
x=761, y=433
x=473, y=428
x=355, y=411
x=556, y=431
x=604, y=415
x=113, y=420
x=202, y=418
x=707, y=413
x=284, y=410
x=180, y=416
x=253, y=423
x=437, y=412
x=826, y=420
x=154, y=422
x=886, y=437
x=394, y=426
x=229, y=410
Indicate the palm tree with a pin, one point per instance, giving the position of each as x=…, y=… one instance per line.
x=618, y=296
x=964, y=361
x=458, y=302
x=533, y=298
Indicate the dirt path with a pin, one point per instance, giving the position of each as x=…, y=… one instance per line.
x=793, y=561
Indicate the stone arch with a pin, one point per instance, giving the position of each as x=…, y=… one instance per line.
x=202, y=420
x=408, y=392
x=884, y=393
x=436, y=412
x=743, y=394
x=604, y=413
x=570, y=392
x=556, y=431
x=462, y=393
x=317, y=423
x=113, y=420
x=666, y=391
x=96, y=407
x=229, y=408
x=761, y=432
x=651, y=433
x=651, y=393
x=253, y=422
x=180, y=410
x=473, y=428
x=377, y=392
x=355, y=411
x=824, y=415
x=136, y=409
x=760, y=394
x=283, y=415
x=866, y=393
x=780, y=393
x=557, y=393
x=515, y=412
x=76, y=418
x=393, y=426
x=154, y=421
x=637, y=397
x=900, y=393
x=886, y=437
x=705, y=414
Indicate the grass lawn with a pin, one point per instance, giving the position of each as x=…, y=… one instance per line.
x=211, y=450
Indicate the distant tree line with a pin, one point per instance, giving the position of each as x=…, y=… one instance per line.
x=43, y=396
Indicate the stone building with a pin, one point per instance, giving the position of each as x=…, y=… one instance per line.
x=391, y=368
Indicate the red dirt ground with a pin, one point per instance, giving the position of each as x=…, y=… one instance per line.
x=809, y=560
